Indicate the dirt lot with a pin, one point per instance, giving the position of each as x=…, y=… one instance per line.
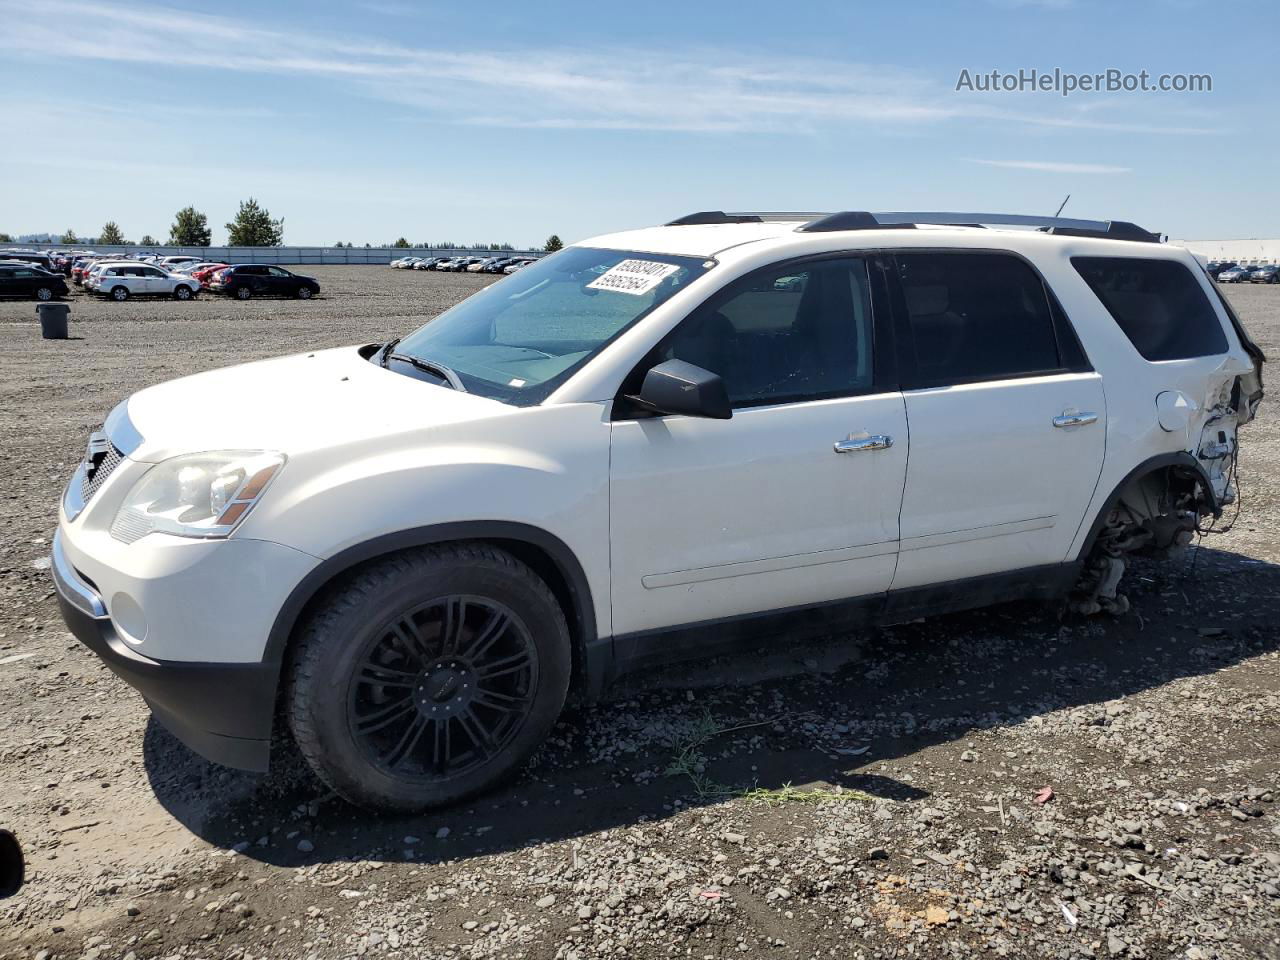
x=865, y=797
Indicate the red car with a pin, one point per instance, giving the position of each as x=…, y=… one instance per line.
x=205, y=274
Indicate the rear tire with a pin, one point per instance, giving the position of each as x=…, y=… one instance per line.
x=120, y=294
x=243, y=293
x=430, y=676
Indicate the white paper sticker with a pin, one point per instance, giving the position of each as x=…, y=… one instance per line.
x=636, y=277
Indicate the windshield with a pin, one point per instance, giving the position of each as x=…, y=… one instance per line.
x=520, y=338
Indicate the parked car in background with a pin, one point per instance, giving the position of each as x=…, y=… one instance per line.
x=81, y=266
x=1267, y=273
x=518, y=265
x=1215, y=267
x=1236, y=274
x=42, y=260
x=169, y=263
x=428, y=263
x=122, y=280
x=205, y=271
x=247, y=280
x=64, y=259
x=404, y=262
x=21, y=279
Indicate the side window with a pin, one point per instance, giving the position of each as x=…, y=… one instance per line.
x=24, y=273
x=277, y=272
x=976, y=316
x=150, y=272
x=1158, y=304
x=785, y=335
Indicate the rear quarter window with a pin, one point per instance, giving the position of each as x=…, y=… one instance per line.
x=1158, y=304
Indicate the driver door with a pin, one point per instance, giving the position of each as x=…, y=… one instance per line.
x=794, y=500
x=279, y=282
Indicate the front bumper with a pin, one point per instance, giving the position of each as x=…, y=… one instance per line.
x=222, y=711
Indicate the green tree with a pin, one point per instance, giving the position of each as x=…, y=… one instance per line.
x=69, y=237
x=111, y=234
x=554, y=243
x=253, y=227
x=148, y=240
x=401, y=243
x=5, y=238
x=190, y=229
x=339, y=245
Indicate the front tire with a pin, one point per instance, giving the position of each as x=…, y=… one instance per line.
x=44, y=294
x=304, y=293
x=182, y=293
x=430, y=676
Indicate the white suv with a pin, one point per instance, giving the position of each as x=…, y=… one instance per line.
x=121, y=280
x=650, y=446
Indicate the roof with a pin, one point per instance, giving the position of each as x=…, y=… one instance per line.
x=708, y=234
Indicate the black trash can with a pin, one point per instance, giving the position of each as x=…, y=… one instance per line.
x=53, y=320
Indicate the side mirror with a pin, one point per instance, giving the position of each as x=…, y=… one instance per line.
x=677, y=387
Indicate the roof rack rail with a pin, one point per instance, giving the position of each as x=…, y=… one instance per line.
x=863, y=220
x=712, y=216
x=749, y=216
x=1116, y=230
x=1062, y=226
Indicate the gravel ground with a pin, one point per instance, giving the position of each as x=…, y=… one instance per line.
x=873, y=796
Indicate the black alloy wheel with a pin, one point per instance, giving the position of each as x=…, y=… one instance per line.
x=442, y=688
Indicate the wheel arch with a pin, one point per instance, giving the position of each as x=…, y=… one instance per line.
x=1181, y=465
x=544, y=553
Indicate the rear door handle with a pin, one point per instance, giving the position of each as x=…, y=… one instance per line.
x=875, y=442
x=1075, y=419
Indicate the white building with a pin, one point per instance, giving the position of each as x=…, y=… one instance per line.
x=1252, y=251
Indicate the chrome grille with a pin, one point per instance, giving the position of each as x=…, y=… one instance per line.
x=100, y=461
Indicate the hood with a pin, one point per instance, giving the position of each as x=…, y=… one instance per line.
x=289, y=405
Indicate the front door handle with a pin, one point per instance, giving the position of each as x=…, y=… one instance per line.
x=1075, y=419
x=858, y=445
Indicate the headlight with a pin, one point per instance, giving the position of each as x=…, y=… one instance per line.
x=197, y=495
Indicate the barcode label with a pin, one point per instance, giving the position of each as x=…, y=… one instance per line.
x=636, y=277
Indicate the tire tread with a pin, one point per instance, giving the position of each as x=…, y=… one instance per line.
x=354, y=591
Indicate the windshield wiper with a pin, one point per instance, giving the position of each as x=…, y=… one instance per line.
x=426, y=366
x=384, y=352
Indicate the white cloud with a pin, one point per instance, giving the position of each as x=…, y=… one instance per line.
x=1051, y=166
x=693, y=90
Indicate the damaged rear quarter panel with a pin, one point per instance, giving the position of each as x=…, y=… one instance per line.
x=1212, y=386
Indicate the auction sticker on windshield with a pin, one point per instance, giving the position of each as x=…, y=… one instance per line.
x=635, y=277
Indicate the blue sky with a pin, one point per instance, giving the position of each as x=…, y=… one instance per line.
x=364, y=121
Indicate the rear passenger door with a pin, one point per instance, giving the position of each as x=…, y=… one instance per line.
x=255, y=278
x=1007, y=417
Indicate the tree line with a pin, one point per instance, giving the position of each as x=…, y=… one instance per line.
x=553, y=244
x=252, y=226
